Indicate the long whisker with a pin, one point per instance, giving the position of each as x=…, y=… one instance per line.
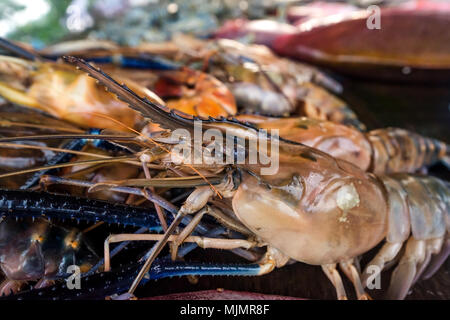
x=28, y=146
x=128, y=190
x=178, y=182
x=90, y=228
x=159, y=211
x=162, y=147
x=8, y=123
x=123, y=125
x=84, y=171
x=104, y=116
x=69, y=136
x=69, y=164
x=82, y=153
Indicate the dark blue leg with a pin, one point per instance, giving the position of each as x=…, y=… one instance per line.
x=143, y=61
x=101, y=285
x=166, y=269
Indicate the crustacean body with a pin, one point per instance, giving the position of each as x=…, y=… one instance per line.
x=315, y=209
x=342, y=217
x=386, y=150
x=331, y=198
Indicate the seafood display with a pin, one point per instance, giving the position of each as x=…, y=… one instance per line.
x=124, y=161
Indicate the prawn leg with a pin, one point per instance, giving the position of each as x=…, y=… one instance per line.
x=405, y=273
x=332, y=274
x=437, y=261
x=352, y=273
x=433, y=247
x=186, y=232
x=386, y=254
x=203, y=242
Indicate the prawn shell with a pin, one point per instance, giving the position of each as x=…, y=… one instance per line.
x=425, y=206
x=399, y=226
x=313, y=221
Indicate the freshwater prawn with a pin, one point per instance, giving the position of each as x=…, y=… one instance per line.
x=317, y=209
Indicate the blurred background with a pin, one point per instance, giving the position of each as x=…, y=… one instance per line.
x=130, y=22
